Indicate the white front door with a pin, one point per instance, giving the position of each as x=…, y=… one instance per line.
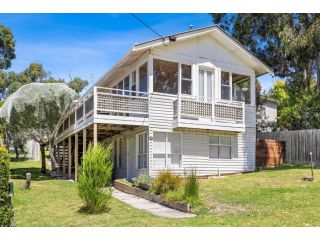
x=206, y=84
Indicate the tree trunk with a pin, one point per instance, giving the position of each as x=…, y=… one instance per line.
x=43, y=158
x=16, y=149
x=54, y=164
x=318, y=70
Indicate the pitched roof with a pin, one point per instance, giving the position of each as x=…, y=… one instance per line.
x=141, y=48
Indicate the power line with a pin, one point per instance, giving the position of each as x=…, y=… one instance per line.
x=146, y=25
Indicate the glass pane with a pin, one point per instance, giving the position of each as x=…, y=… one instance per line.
x=225, y=152
x=133, y=83
x=174, y=143
x=126, y=85
x=201, y=83
x=140, y=161
x=159, y=143
x=209, y=85
x=241, y=85
x=165, y=76
x=214, y=140
x=120, y=86
x=159, y=161
x=145, y=143
x=185, y=71
x=225, y=140
x=225, y=92
x=145, y=161
x=225, y=79
x=186, y=86
x=140, y=144
x=213, y=151
x=174, y=160
x=143, y=80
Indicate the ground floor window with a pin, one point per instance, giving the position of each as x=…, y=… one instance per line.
x=142, y=150
x=220, y=147
x=166, y=150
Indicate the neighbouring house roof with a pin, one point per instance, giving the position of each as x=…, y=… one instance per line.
x=139, y=49
x=268, y=99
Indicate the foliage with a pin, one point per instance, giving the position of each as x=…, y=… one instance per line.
x=94, y=175
x=191, y=185
x=34, y=110
x=6, y=212
x=7, y=47
x=34, y=73
x=77, y=84
x=141, y=181
x=174, y=196
x=289, y=43
x=165, y=181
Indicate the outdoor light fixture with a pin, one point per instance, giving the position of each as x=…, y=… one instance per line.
x=244, y=89
x=172, y=38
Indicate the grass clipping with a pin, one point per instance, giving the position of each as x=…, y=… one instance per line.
x=95, y=179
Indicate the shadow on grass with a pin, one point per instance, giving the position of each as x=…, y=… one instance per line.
x=36, y=175
x=292, y=166
x=22, y=159
x=86, y=210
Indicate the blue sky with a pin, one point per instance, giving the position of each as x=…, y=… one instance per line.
x=87, y=45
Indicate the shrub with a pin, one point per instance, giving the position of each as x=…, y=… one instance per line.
x=191, y=186
x=6, y=212
x=174, y=196
x=95, y=178
x=142, y=181
x=165, y=181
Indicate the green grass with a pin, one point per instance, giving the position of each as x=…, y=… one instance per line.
x=266, y=198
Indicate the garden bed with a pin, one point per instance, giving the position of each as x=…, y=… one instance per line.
x=127, y=188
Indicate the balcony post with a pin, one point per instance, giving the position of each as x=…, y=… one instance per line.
x=95, y=134
x=95, y=101
x=69, y=157
x=84, y=141
x=179, y=107
x=243, y=112
x=64, y=157
x=212, y=109
x=76, y=156
x=84, y=108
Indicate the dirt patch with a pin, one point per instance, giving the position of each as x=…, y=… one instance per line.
x=224, y=208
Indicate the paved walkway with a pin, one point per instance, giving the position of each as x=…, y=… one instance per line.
x=148, y=206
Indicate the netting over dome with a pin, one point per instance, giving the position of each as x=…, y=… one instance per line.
x=35, y=94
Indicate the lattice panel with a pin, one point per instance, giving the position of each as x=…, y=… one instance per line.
x=228, y=112
x=196, y=108
x=80, y=112
x=89, y=104
x=126, y=104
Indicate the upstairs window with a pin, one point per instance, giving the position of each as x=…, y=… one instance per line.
x=225, y=85
x=220, y=147
x=165, y=76
x=186, y=80
x=241, y=87
x=126, y=85
x=133, y=83
x=143, y=78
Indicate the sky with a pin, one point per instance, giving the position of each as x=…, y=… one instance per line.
x=88, y=45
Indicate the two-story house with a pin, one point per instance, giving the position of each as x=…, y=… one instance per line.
x=185, y=101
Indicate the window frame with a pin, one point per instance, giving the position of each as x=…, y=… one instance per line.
x=224, y=85
x=144, y=136
x=219, y=144
x=166, y=165
x=181, y=78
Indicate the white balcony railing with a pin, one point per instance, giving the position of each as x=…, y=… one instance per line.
x=106, y=101
x=217, y=110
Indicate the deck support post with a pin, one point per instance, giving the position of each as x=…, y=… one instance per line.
x=76, y=152
x=64, y=157
x=84, y=141
x=95, y=134
x=69, y=157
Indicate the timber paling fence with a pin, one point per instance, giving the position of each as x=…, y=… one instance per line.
x=298, y=144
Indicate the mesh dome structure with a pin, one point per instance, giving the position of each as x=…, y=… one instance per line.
x=30, y=94
x=45, y=102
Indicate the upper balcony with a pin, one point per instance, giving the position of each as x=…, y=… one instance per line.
x=208, y=113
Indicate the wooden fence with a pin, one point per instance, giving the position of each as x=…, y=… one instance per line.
x=269, y=153
x=298, y=144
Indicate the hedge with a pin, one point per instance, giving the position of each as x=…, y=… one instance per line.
x=6, y=211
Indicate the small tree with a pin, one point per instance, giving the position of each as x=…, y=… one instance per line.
x=34, y=111
x=6, y=212
x=191, y=187
x=95, y=178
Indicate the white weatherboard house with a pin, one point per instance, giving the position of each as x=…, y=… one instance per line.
x=185, y=101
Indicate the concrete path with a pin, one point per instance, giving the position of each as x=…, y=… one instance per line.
x=148, y=206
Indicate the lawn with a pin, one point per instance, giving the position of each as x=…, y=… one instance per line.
x=268, y=198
